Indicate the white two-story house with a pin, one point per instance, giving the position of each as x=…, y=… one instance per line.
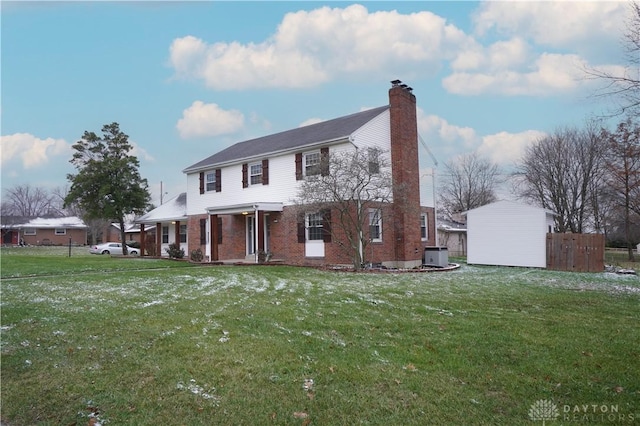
x=240, y=202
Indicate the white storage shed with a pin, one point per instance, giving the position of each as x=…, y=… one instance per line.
x=508, y=233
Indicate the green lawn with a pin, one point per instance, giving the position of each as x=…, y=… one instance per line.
x=158, y=342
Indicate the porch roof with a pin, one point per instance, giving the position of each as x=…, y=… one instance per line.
x=173, y=210
x=246, y=208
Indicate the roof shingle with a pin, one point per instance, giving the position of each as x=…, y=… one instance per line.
x=300, y=137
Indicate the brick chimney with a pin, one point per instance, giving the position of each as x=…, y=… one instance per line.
x=406, y=175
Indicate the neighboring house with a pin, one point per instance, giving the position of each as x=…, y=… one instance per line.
x=112, y=233
x=44, y=231
x=169, y=222
x=240, y=202
x=508, y=233
x=452, y=234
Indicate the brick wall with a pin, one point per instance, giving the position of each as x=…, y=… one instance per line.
x=48, y=237
x=406, y=175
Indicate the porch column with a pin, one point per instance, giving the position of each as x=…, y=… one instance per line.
x=177, y=234
x=159, y=239
x=143, y=237
x=213, y=232
x=261, y=239
x=256, y=247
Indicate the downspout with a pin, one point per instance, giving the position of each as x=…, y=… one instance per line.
x=435, y=207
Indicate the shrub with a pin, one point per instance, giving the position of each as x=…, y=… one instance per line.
x=196, y=255
x=174, y=251
x=133, y=244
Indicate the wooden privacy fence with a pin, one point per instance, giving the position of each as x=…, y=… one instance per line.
x=575, y=252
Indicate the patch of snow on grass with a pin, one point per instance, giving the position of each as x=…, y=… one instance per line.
x=202, y=392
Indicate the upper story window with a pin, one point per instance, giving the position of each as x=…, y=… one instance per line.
x=210, y=181
x=375, y=225
x=424, y=233
x=373, y=155
x=312, y=163
x=255, y=174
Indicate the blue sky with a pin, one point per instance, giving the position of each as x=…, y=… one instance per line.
x=186, y=79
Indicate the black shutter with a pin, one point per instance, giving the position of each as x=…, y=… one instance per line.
x=219, y=230
x=202, y=182
x=203, y=231
x=301, y=231
x=218, y=180
x=299, y=166
x=326, y=225
x=324, y=161
x=265, y=172
x=245, y=175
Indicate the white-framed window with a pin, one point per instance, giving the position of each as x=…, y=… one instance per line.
x=312, y=163
x=424, y=230
x=373, y=155
x=314, y=226
x=183, y=233
x=375, y=225
x=255, y=174
x=210, y=181
x=61, y=231
x=29, y=231
x=165, y=234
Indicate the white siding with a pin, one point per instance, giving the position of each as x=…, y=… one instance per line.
x=282, y=185
x=375, y=134
x=507, y=233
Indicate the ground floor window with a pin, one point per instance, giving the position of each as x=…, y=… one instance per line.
x=314, y=227
x=165, y=234
x=375, y=225
x=183, y=233
x=424, y=233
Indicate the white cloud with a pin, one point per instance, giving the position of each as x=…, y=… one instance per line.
x=311, y=121
x=551, y=74
x=31, y=150
x=553, y=23
x=311, y=47
x=201, y=120
x=505, y=148
x=430, y=126
x=139, y=152
x=500, y=55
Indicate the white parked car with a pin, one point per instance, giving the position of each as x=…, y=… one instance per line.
x=112, y=248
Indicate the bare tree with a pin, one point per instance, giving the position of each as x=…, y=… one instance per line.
x=470, y=181
x=350, y=183
x=564, y=172
x=624, y=88
x=623, y=178
x=28, y=201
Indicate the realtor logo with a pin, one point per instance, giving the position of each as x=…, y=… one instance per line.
x=543, y=410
